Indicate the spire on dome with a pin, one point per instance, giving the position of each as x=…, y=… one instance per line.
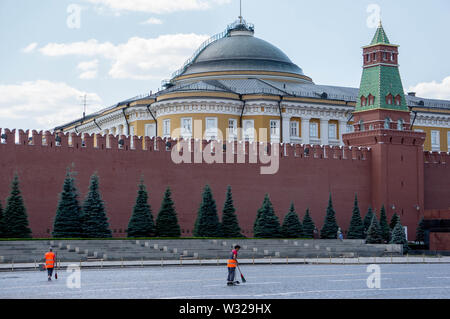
x=380, y=36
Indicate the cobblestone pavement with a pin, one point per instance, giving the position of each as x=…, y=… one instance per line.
x=209, y=282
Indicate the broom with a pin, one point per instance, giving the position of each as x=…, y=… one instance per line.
x=242, y=276
x=56, y=265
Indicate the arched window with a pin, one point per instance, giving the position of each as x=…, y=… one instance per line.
x=398, y=100
x=371, y=99
x=400, y=124
x=389, y=99
x=363, y=101
x=387, y=124
x=361, y=126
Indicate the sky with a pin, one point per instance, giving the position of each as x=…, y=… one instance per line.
x=55, y=52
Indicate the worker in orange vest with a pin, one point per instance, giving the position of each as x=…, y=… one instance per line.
x=50, y=263
x=232, y=264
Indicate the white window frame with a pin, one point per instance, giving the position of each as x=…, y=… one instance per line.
x=294, y=129
x=211, y=133
x=166, y=128
x=332, y=131
x=232, y=130
x=435, y=141
x=275, y=131
x=249, y=130
x=186, y=133
x=448, y=141
x=313, y=130
x=150, y=130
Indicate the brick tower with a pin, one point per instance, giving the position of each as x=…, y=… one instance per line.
x=382, y=122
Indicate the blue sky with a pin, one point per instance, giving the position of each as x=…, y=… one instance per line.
x=116, y=49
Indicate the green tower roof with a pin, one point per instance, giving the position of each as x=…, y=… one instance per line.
x=380, y=36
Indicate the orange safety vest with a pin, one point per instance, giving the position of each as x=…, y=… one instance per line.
x=49, y=260
x=232, y=263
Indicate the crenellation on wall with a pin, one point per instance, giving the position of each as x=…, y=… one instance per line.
x=441, y=158
x=241, y=152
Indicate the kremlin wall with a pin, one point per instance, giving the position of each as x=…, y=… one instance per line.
x=305, y=177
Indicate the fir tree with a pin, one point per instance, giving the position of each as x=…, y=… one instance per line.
x=267, y=224
x=399, y=237
x=141, y=222
x=374, y=232
x=292, y=228
x=330, y=226
x=356, y=229
x=68, y=222
x=368, y=220
x=384, y=226
x=394, y=221
x=207, y=223
x=15, y=215
x=95, y=222
x=167, y=221
x=420, y=232
x=230, y=223
x=308, y=226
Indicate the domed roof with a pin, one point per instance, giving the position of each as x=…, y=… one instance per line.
x=240, y=51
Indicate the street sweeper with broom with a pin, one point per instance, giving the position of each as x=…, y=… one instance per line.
x=232, y=264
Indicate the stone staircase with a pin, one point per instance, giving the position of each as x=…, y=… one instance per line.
x=155, y=249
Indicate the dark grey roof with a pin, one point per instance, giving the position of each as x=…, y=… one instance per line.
x=242, y=53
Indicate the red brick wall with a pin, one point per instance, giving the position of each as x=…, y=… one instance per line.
x=437, y=181
x=440, y=241
x=305, y=181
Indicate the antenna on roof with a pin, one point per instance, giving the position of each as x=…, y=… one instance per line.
x=85, y=104
x=240, y=11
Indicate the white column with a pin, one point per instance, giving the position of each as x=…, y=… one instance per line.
x=324, y=131
x=305, y=130
x=286, y=129
x=342, y=130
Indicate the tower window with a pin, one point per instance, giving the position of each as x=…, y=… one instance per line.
x=371, y=99
x=363, y=101
x=389, y=99
x=398, y=100
x=400, y=125
x=387, y=124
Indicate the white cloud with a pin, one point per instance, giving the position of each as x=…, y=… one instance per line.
x=42, y=104
x=89, y=69
x=158, y=6
x=30, y=48
x=152, y=21
x=138, y=58
x=433, y=90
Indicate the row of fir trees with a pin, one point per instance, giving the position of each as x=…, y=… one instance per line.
x=89, y=220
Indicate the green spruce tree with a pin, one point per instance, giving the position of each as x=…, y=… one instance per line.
x=167, y=221
x=399, y=237
x=394, y=221
x=368, y=220
x=230, y=224
x=292, y=227
x=374, y=232
x=308, y=226
x=68, y=221
x=207, y=223
x=141, y=221
x=95, y=222
x=267, y=225
x=385, y=229
x=15, y=215
x=330, y=226
x=420, y=232
x=356, y=229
